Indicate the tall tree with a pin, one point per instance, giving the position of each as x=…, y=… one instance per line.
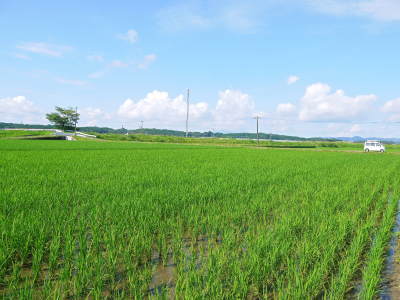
x=63, y=118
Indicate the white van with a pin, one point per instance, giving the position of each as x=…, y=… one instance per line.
x=374, y=146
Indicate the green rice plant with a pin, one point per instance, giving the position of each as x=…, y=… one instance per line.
x=375, y=258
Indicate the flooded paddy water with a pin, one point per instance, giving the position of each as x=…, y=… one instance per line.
x=165, y=270
x=390, y=289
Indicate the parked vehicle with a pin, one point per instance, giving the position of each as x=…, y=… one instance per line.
x=376, y=146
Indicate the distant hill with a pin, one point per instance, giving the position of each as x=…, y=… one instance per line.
x=154, y=131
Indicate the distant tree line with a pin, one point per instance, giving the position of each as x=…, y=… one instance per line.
x=167, y=132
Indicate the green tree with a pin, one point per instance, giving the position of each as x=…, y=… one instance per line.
x=63, y=118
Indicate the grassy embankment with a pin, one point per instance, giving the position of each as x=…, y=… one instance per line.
x=241, y=142
x=24, y=134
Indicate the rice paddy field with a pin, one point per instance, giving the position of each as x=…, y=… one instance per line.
x=117, y=220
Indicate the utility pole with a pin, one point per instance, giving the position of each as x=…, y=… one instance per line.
x=187, y=113
x=258, y=138
x=76, y=114
x=141, y=124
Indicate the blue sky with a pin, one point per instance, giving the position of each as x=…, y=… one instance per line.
x=310, y=68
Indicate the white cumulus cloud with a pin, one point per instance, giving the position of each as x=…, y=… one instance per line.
x=19, y=109
x=130, y=36
x=91, y=116
x=233, y=109
x=393, y=108
x=320, y=104
x=160, y=107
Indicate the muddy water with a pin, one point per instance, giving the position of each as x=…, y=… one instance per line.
x=391, y=273
x=164, y=276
